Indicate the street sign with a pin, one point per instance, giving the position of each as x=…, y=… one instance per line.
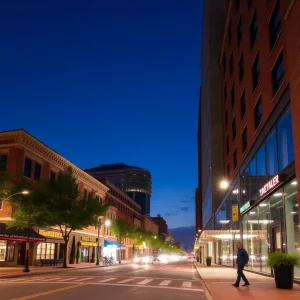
x=235, y=213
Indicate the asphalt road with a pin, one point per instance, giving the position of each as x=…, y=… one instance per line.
x=172, y=281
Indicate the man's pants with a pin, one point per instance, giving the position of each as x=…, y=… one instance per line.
x=241, y=274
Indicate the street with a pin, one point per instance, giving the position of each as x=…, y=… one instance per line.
x=176, y=280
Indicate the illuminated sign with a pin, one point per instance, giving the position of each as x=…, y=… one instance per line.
x=88, y=239
x=51, y=234
x=245, y=206
x=269, y=186
x=235, y=213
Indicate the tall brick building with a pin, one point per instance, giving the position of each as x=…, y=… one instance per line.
x=259, y=66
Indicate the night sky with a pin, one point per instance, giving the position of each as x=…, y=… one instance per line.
x=108, y=82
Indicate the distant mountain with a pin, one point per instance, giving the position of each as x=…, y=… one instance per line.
x=184, y=235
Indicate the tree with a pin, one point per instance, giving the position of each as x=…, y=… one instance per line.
x=121, y=229
x=73, y=251
x=60, y=203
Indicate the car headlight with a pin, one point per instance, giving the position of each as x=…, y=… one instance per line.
x=146, y=259
x=136, y=259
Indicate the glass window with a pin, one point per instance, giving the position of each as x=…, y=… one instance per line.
x=45, y=251
x=227, y=145
x=253, y=167
x=275, y=25
x=292, y=221
x=239, y=32
x=27, y=168
x=278, y=73
x=3, y=162
x=253, y=30
x=52, y=175
x=37, y=172
x=233, y=129
x=10, y=253
x=241, y=67
x=85, y=194
x=261, y=161
x=256, y=72
x=245, y=186
x=245, y=139
x=3, y=245
x=234, y=160
x=243, y=105
x=231, y=63
x=258, y=113
x=285, y=140
x=232, y=96
x=271, y=150
x=276, y=208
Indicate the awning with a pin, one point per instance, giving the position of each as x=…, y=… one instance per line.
x=112, y=244
x=20, y=235
x=88, y=244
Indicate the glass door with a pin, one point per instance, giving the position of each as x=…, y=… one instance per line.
x=276, y=240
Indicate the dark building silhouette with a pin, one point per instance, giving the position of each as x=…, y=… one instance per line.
x=162, y=226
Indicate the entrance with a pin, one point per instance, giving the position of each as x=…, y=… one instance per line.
x=276, y=241
x=21, y=253
x=84, y=254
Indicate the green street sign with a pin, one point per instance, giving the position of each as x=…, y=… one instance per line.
x=245, y=206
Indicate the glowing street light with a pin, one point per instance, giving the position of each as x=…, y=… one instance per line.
x=107, y=223
x=224, y=184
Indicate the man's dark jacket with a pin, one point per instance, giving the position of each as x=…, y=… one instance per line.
x=242, y=257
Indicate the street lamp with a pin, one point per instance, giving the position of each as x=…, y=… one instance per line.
x=224, y=184
x=98, y=241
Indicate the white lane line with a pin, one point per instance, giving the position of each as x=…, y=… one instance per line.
x=106, y=280
x=67, y=279
x=187, y=284
x=165, y=283
x=126, y=280
x=145, y=281
x=50, y=279
x=83, y=279
x=37, y=278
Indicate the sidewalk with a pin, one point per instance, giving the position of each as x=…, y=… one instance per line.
x=7, y=272
x=218, y=280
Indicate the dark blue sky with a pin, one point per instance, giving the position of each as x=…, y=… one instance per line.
x=109, y=81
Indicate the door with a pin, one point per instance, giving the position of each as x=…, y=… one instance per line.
x=276, y=240
x=84, y=254
x=21, y=253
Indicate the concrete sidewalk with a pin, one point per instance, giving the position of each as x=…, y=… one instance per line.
x=10, y=272
x=218, y=281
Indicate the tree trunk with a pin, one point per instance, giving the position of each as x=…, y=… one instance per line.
x=120, y=250
x=65, y=265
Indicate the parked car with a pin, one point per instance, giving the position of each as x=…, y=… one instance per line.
x=144, y=259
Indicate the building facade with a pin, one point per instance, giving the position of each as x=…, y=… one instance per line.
x=162, y=226
x=259, y=63
x=134, y=181
x=23, y=156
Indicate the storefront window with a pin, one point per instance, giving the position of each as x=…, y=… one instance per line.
x=276, y=208
x=285, y=140
x=45, y=251
x=261, y=161
x=7, y=250
x=3, y=245
x=292, y=221
x=271, y=150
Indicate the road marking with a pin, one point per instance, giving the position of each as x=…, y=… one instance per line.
x=145, y=281
x=83, y=279
x=50, y=279
x=48, y=292
x=165, y=282
x=126, y=280
x=71, y=278
x=106, y=280
x=187, y=284
x=37, y=278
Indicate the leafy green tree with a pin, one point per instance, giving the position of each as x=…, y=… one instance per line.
x=73, y=251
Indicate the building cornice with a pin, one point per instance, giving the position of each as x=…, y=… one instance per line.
x=24, y=139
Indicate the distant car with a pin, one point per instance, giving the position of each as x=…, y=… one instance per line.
x=143, y=259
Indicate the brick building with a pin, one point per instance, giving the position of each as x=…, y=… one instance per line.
x=260, y=79
x=162, y=226
x=23, y=156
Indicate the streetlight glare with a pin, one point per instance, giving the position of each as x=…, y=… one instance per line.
x=107, y=223
x=224, y=184
x=25, y=192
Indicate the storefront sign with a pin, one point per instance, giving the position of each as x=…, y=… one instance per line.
x=245, y=206
x=51, y=234
x=89, y=239
x=235, y=213
x=269, y=186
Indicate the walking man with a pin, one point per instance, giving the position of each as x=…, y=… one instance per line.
x=241, y=261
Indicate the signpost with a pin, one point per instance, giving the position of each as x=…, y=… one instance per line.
x=235, y=213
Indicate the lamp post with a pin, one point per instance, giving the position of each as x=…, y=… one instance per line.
x=98, y=241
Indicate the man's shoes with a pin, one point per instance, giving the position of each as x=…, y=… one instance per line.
x=246, y=284
x=235, y=285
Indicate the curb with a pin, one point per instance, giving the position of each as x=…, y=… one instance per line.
x=55, y=271
x=206, y=291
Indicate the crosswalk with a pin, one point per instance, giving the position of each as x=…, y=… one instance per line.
x=120, y=281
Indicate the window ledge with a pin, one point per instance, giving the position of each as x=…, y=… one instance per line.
x=256, y=88
x=278, y=91
x=258, y=128
x=275, y=44
x=287, y=12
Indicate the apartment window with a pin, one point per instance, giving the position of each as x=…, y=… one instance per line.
x=241, y=67
x=245, y=139
x=243, y=105
x=253, y=30
x=278, y=73
x=228, y=170
x=249, y=3
x=226, y=119
x=232, y=96
x=233, y=128
x=231, y=63
x=256, y=72
x=37, y=172
x=3, y=162
x=234, y=160
x=27, y=168
x=85, y=193
x=224, y=63
x=227, y=145
x=258, y=112
x=229, y=33
x=239, y=32
x=237, y=5
x=225, y=91
x=52, y=175
x=275, y=25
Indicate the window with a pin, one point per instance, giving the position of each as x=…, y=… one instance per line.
x=253, y=30
x=243, y=105
x=37, y=172
x=237, y=5
x=234, y=160
x=226, y=119
x=7, y=250
x=278, y=73
x=229, y=33
x=227, y=145
x=241, y=67
x=232, y=96
x=224, y=63
x=228, y=170
x=245, y=139
x=249, y=3
x=275, y=25
x=225, y=91
x=285, y=140
x=231, y=63
x=258, y=112
x=239, y=32
x=85, y=194
x=233, y=129
x=261, y=161
x=3, y=162
x=27, y=168
x=52, y=175
x=256, y=72
x=271, y=149
x=45, y=251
